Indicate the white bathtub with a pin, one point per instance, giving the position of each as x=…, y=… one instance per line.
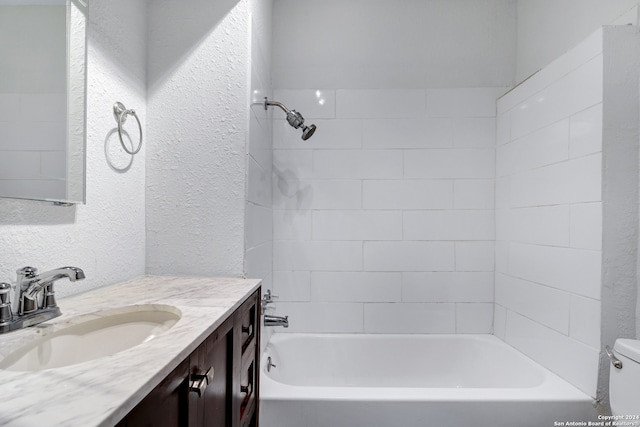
x=324, y=380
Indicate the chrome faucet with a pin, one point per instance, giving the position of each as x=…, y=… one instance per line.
x=276, y=320
x=31, y=308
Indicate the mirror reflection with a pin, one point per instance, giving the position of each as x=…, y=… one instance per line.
x=42, y=99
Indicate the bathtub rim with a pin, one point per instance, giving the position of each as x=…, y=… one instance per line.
x=552, y=389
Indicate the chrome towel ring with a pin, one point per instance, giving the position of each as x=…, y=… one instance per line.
x=120, y=112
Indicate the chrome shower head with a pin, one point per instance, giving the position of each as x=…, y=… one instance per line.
x=294, y=118
x=307, y=132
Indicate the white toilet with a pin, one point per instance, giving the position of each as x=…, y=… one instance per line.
x=624, y=381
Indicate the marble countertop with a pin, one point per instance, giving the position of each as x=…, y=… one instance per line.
x=102, y=391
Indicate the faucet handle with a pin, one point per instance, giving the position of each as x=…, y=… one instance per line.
x=27, y=272
x=5, y=303
x=269, y=297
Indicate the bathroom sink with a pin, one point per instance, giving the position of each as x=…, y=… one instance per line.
x=91, y=337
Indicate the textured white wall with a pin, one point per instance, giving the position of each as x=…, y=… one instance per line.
x=549, y=28
x=106, y=236
x=198, y=100
x=381, y=44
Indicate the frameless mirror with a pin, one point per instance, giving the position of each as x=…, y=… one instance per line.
x=43, y=99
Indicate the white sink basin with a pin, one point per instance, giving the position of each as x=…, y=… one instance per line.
x=91, y=337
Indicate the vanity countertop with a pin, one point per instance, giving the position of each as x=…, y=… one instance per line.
x=102, y=391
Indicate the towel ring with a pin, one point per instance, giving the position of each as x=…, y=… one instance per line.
x=120, y=112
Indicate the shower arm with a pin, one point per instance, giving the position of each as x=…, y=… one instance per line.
x=267, y=103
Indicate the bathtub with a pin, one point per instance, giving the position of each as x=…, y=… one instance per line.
x=354, y=380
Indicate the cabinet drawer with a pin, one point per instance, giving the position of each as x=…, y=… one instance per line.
x=248, y=390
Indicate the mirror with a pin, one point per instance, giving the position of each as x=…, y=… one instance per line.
x=43, y=99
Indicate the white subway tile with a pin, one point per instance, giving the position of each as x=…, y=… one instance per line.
x=475, y=256
x=574, y=270
x=474, y=133
x=258, y=184
x=578, y=90
x=44, y=107
x=462, y=102
x=503, y=190
x=369, y=104
x=293, y=164
x=453, y=163
x=317, y=194
x=258, y=225
x=319, y=256
x=356, y=286
x=44, y=136
x=449, y=225
x=543, y=304
x=334, y=134
x=502, y=256
x=586, y=226
x=543, y=147
x=292, y=285
x=407, y=194
x=585, y=320
x=322, y=317
x=409, y=318
x=589, y=48
x=546, y=225
x=259, y=260
x=503, y=128
x=12, y=165
x=33, y=189
x=574, y=181
x=408, y=133
x=357, y=225
x=586, y=132
x=10, y=107
x=474, y=318
x=291, y=224
x=499, y=321
x=447, y=287
x=53, y=164
x=408, y=256
x=578, y=364
x=474, y=194
x=357, y=164
x=311, y=103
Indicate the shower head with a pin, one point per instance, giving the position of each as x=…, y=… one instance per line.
x=294, y=118
x=307, y=132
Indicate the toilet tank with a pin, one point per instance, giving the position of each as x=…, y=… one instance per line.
x=624, y=384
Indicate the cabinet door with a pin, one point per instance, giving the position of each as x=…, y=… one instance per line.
x=213, y=407
x=246, y=382
x=166, y=405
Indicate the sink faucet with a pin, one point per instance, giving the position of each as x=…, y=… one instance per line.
x=32, y=310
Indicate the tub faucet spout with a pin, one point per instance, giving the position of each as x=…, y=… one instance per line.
x=276, y=320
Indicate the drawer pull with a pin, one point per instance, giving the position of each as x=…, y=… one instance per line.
x=247, y=330
x=198, y=382
x=246, y=389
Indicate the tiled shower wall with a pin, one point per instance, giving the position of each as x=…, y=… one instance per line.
x=384, y=219
x=32, y=104
x=549, y=215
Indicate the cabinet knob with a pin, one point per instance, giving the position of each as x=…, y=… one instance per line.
x=247, y=330
x=198, y=382
x=246, y=389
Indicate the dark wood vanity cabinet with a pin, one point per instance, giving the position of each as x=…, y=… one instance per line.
x=230, y=357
